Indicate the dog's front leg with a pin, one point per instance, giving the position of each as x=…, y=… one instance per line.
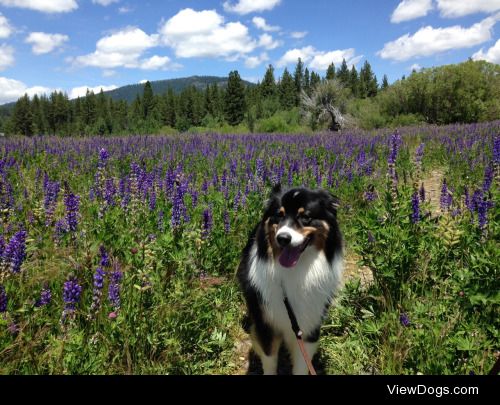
x=269, y=355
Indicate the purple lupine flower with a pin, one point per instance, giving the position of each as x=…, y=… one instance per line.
x=97, y=291
x=72, y=203
x=415, y=206
x=61, y=227
x=236, y=202
x=207, y=223
x=15, y=252
x=227, y=222
x=103, y=158
x=4, y=300
x=45, y=297
x=488, y=178
x=194, y=198
x=395, y=142
x=421, y=193
x=161, y=222
x=419, y=153
x=2, y=245
x=110, y=192
x=260, y=168
x=446, y=199
x=114, y=287
x=177, y=209
x=105, y=262
x=482, y=212
x=404, y=320
x=152, y=201
x=71, y=294
x=496, y=151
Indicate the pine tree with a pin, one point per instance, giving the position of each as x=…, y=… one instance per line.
x=39, y=120
x=307, y=82
x=147, y=100
x=169, y=111
x=235, y=99
x=298, y=79
x=287, y=91
x=268, y=85
x=330, y=72
x=368, y=81
x=343, y=74
x=315, y=80
x=385, y=83
x=23, y=117
x=354, y=82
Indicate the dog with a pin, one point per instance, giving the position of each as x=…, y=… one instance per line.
x=295, y=252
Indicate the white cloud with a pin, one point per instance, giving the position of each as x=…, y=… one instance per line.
x=460, y=8
x=428, y=41
x=415, y=67
x=81, y=91
x=105, y=2
x=125, y=9
x=5, y=27
x=411, y=9
x=492, y=55
x=44, y=43
x=204, y=34
x=108, y=73
x=12, y=90
x=6, y=56
x=250, y=6
x=124, y=49
x=143, y=81
x=319, y=60
x=261, y=24
x=158, y=62
x=267, y=41
x=253, y=61
x=298, y=34
x=45, y=6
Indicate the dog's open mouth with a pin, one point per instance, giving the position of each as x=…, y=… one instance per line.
x=291, y=254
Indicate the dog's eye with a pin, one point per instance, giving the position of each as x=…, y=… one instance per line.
x=280, y=213
x=305, y=219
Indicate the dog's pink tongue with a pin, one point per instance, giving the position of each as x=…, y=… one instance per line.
x=290, y=256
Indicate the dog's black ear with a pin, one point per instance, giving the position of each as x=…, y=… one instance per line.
x=276, y=191
x=332, y=202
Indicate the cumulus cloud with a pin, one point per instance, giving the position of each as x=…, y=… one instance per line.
x=252, y=62
x=460, y=8
x=105, y=2
x=11, y=90
x=81, y=91
x=268, y=42
x=262, y=24
x=6, y=56
x=250, y=6
x=491, y=55
x=298, y=34
x=319, y=60
x=125, y=48
x=411, y=9
x=5, y=27
x=44, y=43
x=205, y=34
x=44, y=6
x=428, y=41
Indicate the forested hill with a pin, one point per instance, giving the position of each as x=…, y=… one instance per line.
x=129, y=93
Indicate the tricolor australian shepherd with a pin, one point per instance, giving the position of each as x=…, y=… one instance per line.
x=294, y=252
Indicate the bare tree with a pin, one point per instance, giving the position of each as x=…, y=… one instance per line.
x=327, y=103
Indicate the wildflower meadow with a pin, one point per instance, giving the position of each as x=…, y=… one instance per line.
x=118, y=254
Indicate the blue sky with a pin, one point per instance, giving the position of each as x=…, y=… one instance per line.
x=70, y=45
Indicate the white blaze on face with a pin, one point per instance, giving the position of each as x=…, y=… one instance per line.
x=297, y=238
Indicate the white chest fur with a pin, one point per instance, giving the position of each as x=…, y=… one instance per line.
x=308, y=286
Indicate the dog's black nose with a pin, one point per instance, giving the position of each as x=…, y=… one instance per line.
x=284, y=239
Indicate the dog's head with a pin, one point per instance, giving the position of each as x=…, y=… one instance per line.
x=297, y=220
